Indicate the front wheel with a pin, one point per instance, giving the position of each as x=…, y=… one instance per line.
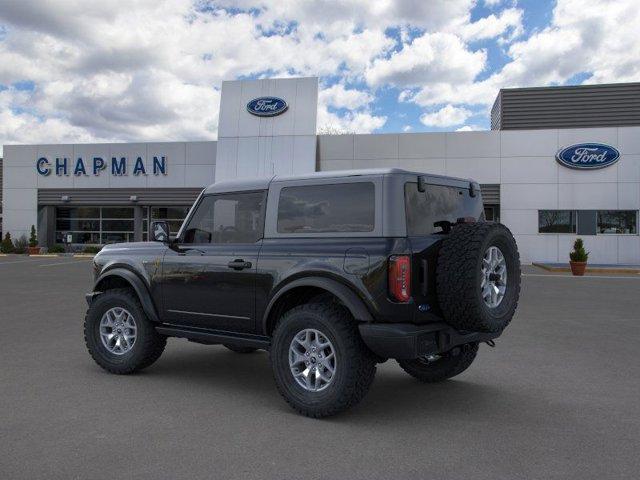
x=436, y=368
x=320, y=364
x=118, y=334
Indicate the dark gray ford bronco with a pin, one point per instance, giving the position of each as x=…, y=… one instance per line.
x=331, y=273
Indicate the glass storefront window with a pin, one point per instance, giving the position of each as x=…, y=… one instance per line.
x=94, y=225
x=618, y=221
x=556, y=221
x=77, y=212
x=117, y=212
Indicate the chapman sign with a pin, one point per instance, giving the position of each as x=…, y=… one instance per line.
x=118, y=166
x=588, y=156
x=267, y=106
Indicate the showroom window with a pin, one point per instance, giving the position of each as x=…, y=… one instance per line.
x=556, y=221
x=618, y=222
x=94, y=225
x=346, y=207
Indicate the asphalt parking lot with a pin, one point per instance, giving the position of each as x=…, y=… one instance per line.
x=559, y=397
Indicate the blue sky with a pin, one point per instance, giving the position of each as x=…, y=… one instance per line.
x=77, y=71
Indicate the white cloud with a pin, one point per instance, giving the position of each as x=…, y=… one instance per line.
x=508, y=22
x=469, y=128
x=340, y=97
x=151, y=71
x=357, y=119
x=358, y=122
x=597, y=38
x=447, y=116
x=407, y=128
x=433, y=57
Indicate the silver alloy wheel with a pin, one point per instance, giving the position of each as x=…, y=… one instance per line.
x=118, y=330
x=312, y=360
x=494, y=277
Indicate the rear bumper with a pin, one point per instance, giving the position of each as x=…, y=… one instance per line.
x=406, y=341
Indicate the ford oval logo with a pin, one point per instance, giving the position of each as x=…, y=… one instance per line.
x=267, y=106
x=588, y=156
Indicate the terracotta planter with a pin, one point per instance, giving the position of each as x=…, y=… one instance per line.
x=33, y=250
x=578, y=268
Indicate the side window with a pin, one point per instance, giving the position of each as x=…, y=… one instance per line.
x=227, y=218
x=343, y=207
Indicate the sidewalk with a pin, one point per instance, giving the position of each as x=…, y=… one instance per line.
x=596, y=268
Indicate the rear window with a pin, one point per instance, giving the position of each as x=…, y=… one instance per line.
x=344, y=207
x=437, y=204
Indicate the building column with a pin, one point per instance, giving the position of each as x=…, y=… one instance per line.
x=46, y=226
x=138, y=217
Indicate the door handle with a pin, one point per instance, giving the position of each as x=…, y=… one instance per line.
x=239, y=264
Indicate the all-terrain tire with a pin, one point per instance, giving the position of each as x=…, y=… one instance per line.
x=148, y=345
x=237, y=349
x=447, y=366
x=355, y=365
x=459, y=277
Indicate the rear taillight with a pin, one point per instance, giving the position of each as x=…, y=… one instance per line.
x=400, y=277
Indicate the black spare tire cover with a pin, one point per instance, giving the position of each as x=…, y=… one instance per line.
x=478, y=277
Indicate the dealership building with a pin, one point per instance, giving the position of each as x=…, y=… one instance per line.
x=559, y=162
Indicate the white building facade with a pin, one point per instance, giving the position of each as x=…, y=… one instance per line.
x=115, y=190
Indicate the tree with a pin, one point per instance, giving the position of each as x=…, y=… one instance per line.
x=33, y=238
x=7, y=245
x=331, y=129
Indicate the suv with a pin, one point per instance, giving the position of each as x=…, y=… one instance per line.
x=330, y=272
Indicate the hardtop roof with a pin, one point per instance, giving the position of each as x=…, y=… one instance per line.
x=264, y=182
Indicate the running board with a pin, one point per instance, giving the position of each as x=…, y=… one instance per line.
x=213, y=337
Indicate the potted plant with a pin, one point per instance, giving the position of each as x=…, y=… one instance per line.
x=578, y=258
x=7, y=244
x=33, y=249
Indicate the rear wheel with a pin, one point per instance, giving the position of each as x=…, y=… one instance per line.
x=436, y=368
x=320, y=364
x=119, y=335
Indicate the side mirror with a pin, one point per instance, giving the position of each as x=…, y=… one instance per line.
x=160, y=232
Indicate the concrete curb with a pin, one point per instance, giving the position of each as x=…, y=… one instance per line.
x=607, y=270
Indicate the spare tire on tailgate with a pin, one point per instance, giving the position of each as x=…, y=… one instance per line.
x=478, y=277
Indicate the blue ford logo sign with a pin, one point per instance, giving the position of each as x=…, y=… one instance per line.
x=267, y=106
x=588, y=156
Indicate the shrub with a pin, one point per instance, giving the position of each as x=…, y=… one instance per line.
x=20, y=245
x=91, y=249
x=33, y=238
x=7, y=245
x=579, y=254
x=57, y=248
